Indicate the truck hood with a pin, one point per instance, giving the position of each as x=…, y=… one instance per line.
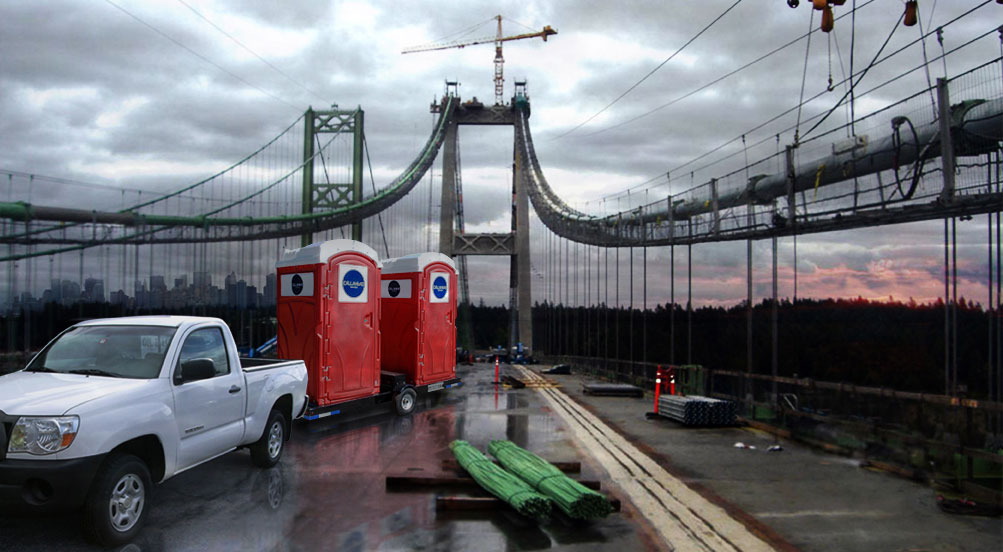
x=45, y=394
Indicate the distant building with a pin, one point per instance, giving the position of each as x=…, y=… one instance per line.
x=119, y=298
x=70, y=292
x=94, y=290
x=270, y=293
x=202, y=280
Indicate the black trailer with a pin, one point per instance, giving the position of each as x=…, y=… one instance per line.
x=393, y=388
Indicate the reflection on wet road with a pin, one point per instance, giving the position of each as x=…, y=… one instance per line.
x=329, y=493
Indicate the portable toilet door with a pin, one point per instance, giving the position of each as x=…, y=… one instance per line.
x=347, y=337
x=419, y=310
x=439, y=320
x=399, y=317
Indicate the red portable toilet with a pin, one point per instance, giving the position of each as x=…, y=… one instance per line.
x=418, y=316
x=328, y=315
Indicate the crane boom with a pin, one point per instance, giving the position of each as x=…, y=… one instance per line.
x=499, y=59
x=547, y=31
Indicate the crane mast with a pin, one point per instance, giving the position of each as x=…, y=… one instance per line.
x=500, y=66
x=498, y=40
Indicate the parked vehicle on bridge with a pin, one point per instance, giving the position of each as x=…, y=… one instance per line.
x=111, y=406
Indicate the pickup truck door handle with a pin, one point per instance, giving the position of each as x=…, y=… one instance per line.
x=234, y=389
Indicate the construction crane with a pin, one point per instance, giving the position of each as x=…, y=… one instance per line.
x=499, y=59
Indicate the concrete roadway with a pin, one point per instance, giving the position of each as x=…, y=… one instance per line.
x=797, y=499
x=328, y=493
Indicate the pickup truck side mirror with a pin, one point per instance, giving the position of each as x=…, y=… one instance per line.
x=196, y=369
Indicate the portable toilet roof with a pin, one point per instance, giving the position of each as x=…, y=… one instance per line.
x=317, y=253
x=416, y=262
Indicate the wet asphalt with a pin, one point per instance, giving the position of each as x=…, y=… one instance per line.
x=329, y=491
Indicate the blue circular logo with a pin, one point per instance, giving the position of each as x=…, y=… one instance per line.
x=439, y=287
x=353, y=283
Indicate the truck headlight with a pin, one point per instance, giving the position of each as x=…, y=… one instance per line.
x=43, y=434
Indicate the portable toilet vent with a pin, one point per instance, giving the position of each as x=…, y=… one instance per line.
x=328, y=315
x=418, y=317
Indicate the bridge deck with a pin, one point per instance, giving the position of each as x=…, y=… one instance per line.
x=329, y=490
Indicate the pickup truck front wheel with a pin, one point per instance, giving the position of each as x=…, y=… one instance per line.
x=267, y=450
x=116, y=505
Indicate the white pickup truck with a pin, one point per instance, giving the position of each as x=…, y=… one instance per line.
x=110, y=406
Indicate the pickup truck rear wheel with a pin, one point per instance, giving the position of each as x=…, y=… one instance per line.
x=117, y=503
x=267, y=450
x=405, y=401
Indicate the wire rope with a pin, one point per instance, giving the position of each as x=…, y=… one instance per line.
x=653, y=71
x=252, y=52
x=200, y=56
x=713, y=82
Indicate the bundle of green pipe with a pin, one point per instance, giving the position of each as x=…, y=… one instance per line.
x=501, y=483
x=571, y=497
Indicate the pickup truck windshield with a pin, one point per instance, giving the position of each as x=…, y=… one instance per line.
x=117, y=351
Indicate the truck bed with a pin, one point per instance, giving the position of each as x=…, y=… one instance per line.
x=254, y=364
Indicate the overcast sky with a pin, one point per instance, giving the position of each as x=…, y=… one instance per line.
x=90, y=93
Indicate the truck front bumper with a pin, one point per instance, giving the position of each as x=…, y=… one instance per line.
x=39, y=486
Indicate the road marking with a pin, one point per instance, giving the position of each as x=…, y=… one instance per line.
x=684, y=519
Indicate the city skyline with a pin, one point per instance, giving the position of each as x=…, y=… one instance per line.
x=152, y=292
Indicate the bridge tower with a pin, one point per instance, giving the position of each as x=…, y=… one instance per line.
x=326, y=195
x=514, y=244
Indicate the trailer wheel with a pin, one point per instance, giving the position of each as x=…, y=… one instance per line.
x=267, y=450
x=405, y=401
x=117, y=503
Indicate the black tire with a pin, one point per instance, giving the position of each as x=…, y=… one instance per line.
x=267, y=451
x=118, y=501
x=406, y=401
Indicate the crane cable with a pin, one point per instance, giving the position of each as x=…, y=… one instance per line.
x=804, y=75
x=816, y=96
x=713, y=82
x=853, y=84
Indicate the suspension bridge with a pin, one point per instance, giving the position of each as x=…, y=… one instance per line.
x=906, y=162
x=932, y=155
x=72, y=249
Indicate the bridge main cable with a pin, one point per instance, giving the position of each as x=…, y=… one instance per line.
x=979, y=123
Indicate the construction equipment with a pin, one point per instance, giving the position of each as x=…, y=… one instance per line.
x=499, y=59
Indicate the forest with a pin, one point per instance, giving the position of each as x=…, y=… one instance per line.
x=875, y=343
x=885, y=344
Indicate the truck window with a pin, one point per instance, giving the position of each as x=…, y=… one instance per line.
x=122, y=351
x=206, y=343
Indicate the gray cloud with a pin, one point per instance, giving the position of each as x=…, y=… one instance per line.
x=69, y=67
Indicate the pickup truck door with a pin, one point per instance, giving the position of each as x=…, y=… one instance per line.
x=210, y=412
